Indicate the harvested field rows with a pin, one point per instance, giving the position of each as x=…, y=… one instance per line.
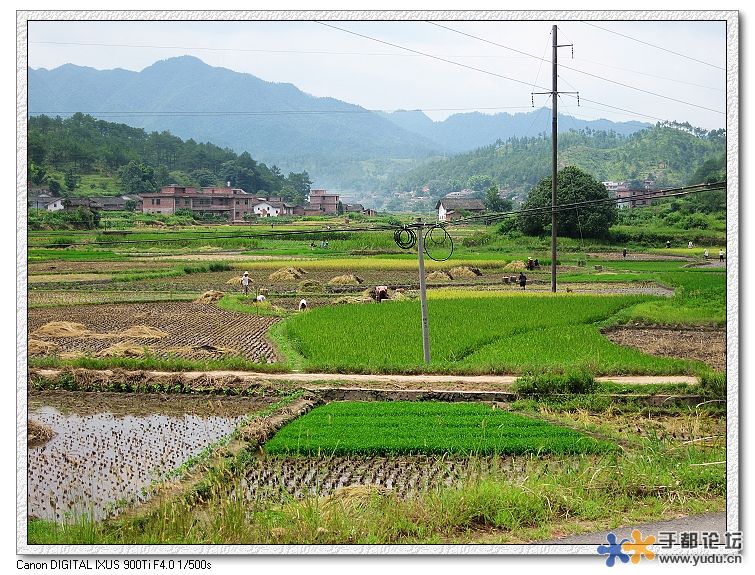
x=707, y=345
x=277, y=478
x=195, y=331
x=44, y=298
x=107, y=447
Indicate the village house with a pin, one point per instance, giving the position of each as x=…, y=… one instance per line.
x=323, y=202
x=450, y=209
x=46, y=201
x=232, y=203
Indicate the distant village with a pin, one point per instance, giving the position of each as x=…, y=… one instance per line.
x=234, y=204
x=238, y=206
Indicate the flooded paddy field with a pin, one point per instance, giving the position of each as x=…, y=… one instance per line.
x=107, y=447
x=279, y=478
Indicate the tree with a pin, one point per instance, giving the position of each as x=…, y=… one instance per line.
x=574, y=185
x=137, y=178
x=479, y=183
x=339, y=208
x=494, y=202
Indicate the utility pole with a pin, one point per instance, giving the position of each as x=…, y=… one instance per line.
x=554, y=147
x=554, y=158
x=422, y=289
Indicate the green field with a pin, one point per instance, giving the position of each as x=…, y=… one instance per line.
x=405, y=427
x=491, y=333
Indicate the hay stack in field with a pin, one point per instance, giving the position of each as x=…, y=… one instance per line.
x=309, y=286
x=72, y=354
x=515, y=266
x=210, y=296
x=236, y=280
x=62, y=329
x=287, y=274
x=464, y=272
x=125, y=348
x=37, y=434
x=346, y=280
x=350, y=299
x=400, y=296
x=439, y=276
x=135, y=331
x=39, y=347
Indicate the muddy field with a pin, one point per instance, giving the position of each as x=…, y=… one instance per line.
x=273, y=478
x=192, y=330
x=706, y=345
x=108, y=447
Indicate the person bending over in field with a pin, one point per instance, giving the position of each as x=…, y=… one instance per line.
x=302, y=305
x=522, y=280
x=245, y=283
x=381, y=293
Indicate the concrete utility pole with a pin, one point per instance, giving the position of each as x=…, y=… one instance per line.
x=422, y=289
x=554, y=148
x=554, y=157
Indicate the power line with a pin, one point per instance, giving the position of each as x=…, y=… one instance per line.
x=653, y=45
x=582, y=71
x=478, y=69
x=118, y=114
x=656, y=76
x=655, y=195
x=428, y=55
x=260, y=50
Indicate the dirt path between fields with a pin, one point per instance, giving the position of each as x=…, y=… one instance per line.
x=336, y=380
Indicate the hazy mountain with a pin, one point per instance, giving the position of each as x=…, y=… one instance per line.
x=276, y=123
x=464, y=132
x=341, y=145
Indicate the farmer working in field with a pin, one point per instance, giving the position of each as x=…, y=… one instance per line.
x=522, y=280
x=381, y=293
x=302, y=305
x=245, y=283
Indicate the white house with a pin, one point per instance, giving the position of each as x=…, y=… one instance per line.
x=55, y=205
x=267, y=209
x=454, y=208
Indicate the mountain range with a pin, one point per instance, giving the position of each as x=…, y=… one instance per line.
x=341, y=145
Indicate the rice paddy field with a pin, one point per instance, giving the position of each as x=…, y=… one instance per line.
x=192, y=464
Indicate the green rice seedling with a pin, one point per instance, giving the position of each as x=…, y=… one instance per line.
x=377, y=428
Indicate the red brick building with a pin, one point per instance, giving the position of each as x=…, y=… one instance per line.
x=232, y=203
x=323, y=202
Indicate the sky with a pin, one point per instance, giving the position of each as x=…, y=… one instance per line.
x=389, y=65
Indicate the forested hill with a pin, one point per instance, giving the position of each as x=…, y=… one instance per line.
x=668, y=153
x=84, y=156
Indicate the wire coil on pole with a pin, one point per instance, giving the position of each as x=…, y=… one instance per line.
x=430, y=239
x=405, y=238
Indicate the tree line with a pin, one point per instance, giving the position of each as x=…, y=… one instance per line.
x=668, y=153
x=61, y=151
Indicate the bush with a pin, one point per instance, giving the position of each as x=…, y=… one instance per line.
x=713, y=384
x=555, y=383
